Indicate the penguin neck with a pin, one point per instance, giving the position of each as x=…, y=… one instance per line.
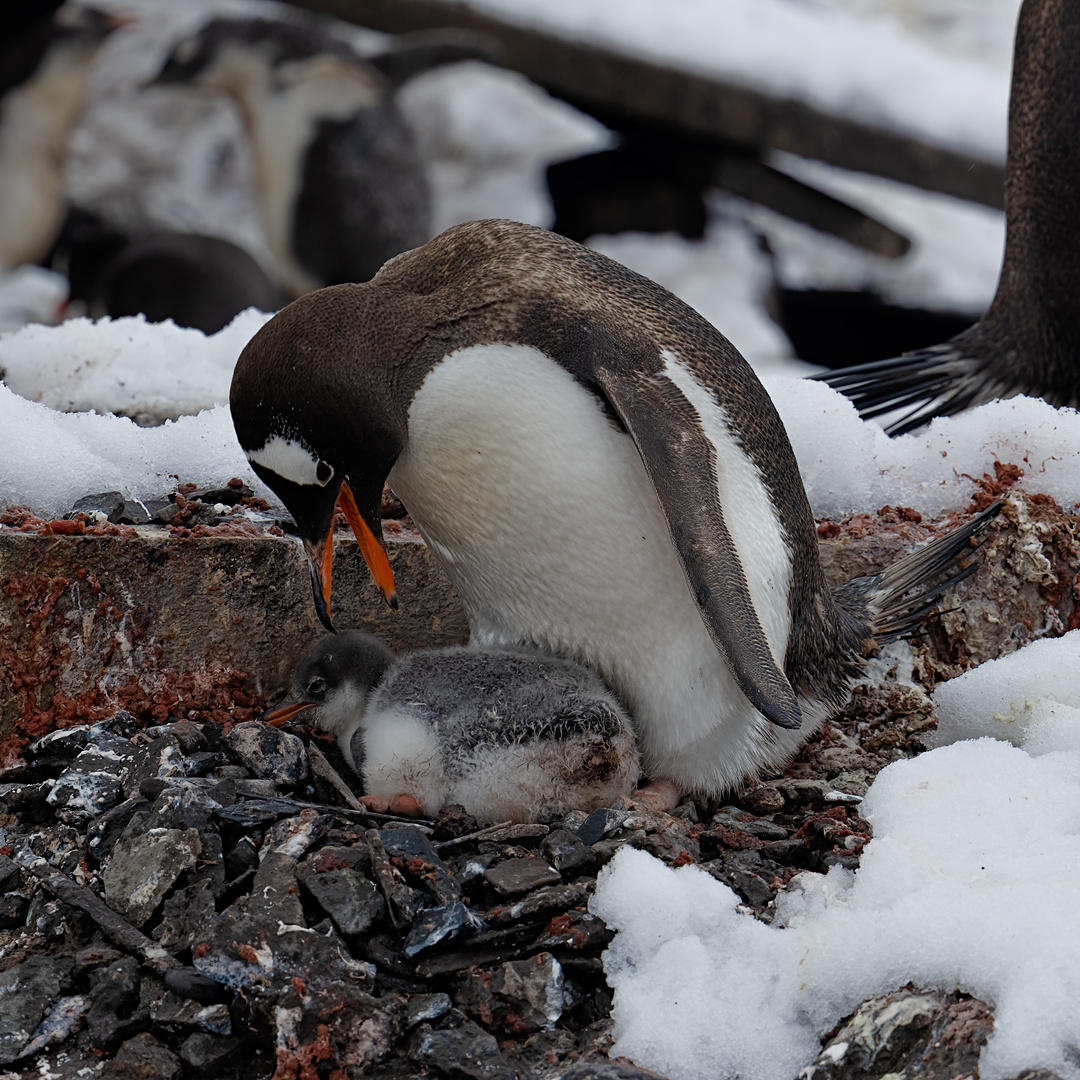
x=282, y=108
x=1037, y=304
x=36, y=119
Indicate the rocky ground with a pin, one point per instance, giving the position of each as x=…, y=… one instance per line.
x=199, y=899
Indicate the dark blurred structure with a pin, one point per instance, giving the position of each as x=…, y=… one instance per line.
x=1028, y=342
x=197, y=281
x=46, y=56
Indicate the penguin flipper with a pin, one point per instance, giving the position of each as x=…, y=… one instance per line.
x=680, y=462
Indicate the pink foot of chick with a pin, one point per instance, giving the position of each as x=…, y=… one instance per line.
x=659, y=795
x=403, y=805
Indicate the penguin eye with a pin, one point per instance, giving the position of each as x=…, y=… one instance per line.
x=323, y=473
x=184, y=53
x=317, y=688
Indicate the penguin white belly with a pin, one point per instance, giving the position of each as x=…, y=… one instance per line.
x=544, y=517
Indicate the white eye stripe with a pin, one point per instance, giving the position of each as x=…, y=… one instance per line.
x=292, y=461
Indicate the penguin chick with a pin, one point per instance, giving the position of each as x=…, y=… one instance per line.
x=339, y=182
x=508, y=734
x=44, y=72
x=1028, y=342
x=598, y=471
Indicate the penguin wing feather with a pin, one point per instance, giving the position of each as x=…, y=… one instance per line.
x=680, y=462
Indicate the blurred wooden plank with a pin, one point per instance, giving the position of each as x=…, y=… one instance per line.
x=617, y=88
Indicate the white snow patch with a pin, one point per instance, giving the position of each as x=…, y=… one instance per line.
x=1029, y=698
x=147, y=371
x=945, y=896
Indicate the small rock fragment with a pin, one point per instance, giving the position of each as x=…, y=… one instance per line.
x=349, y=898
x=566, y=851
x=27, y=990
x=143, y=1058
x=211, y=1055
x=144, y=868
x=467, y=1051
x=520, y=875
x=268, y=753
x=427, y=1007
x=598, y=824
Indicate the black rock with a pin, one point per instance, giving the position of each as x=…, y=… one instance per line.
x=143, y=1058
x=598, y=824
x=438, y=924
x=108, y=504
x=349, y=898
x=268, y=752
x=107, y=828
x=10, y=874
x=143, y=868
x=114, y=995
x=520, y=875
x=27, y=990
x=187, y=982
x=13, y=910
x=566, y=851
x=465, y=1051
x=210, y=1055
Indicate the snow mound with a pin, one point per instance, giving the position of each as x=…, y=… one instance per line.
x=148, y=371
x=1029, y=698
x=944, y=897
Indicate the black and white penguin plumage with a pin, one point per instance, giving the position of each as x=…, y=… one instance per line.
x=508, y=734
x=1028, y=342
x=45, y=66
x=339, y=181
x=598, y=470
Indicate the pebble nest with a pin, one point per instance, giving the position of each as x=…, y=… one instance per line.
x=186, y=901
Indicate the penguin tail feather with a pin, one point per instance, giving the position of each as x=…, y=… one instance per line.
x=937, y=381
x=897, y=599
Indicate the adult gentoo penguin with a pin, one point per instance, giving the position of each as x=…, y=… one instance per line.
x=45, y=66
x=508, y=734
x=339, y=182
x=599, y=471
x=1028, y=342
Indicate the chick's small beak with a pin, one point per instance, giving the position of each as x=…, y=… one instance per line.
x=283, y=713
x=371, y=547
x=320, y=555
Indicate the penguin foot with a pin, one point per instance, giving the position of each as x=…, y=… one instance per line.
x=659, y=795
x=403, y=805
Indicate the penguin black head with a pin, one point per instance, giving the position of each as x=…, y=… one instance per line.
x=334, y=676
x=315, y=416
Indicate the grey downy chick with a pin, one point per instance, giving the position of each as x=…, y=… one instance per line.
x=511, y=735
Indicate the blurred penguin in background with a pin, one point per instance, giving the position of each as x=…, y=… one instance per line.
x=46, y=59
x=339, y=181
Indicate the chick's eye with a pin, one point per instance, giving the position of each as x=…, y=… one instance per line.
x=317, y=688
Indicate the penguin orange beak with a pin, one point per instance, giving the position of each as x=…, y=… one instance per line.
x=371, y=548
x=283, y=713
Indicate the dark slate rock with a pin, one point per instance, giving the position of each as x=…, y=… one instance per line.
x=427, y=1007
x=242, y=856
x=254, y=813
x=422, y=864
x=349, y=898
x=142, y=869
x=184, y=913
x=14, y=908
x=106, y=829
x=27, y=991
x=190, y=736
x=104, y=506
x=10, y=874
x=438, y=924
x=189, y=983
x=294, y=835
x=274, y=894
x=212, y=1054
x=730, y=817
x=114, y=995
x=121, y=724
x=763, y=799
x=402, y=903
x=465, y=1051
x=520, y=875
x=576, y=930
x=94, y=781
x=185, y=1015
x=904, y=1034
x=566, y=851
x=268, y=753
x=143, y=1058
x=64, y=1017
x=519, y=995
x=28, y=801
x=540, y=902
x=597, y=1070
x=598, y=824
x=67, y=743
x=228, y=496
